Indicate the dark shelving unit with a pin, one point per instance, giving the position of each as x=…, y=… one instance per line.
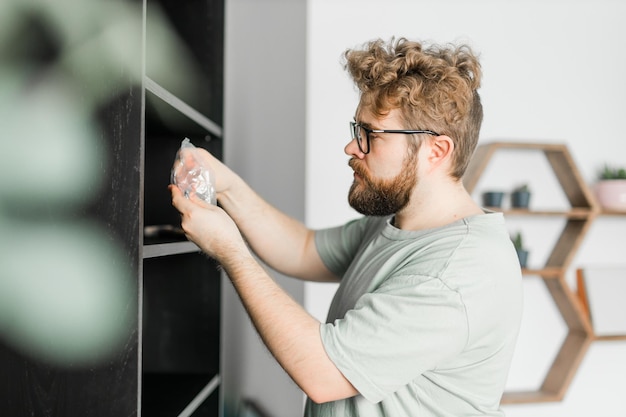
x=169, y=364
x=180, y=320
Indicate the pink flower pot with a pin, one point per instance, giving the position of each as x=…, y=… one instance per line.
x=611, y=194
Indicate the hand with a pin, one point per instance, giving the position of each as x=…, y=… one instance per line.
x=209, y=227
x=223, y=176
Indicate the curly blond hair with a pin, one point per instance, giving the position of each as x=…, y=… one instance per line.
x=434, y=87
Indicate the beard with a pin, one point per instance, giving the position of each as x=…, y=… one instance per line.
x=376, y=197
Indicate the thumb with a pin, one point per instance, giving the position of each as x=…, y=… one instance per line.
x=193, y=197
x=178, y=198
x=182, y=201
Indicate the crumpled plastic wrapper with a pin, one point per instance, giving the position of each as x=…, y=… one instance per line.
x=191, y=176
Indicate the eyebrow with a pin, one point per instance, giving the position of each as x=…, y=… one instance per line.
x=365, y=124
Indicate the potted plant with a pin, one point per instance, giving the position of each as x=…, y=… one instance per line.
x=520, y=197
x=522, y=252
x=611, y=188
x=493, y=198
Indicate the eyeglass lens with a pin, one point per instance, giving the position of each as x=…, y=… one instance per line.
x=360, y=134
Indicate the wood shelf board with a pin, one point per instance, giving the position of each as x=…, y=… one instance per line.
x=586, y=286
x=566, y=362
x=583, y=211
x=559, y=159
x=545, y=273
x=572, y=182
x=558, y=379
x=605, y=212
x=543, y=146
x=609, y=338
x=523, y=397
x=477, y=165
x=568, y=242
x=569, y=305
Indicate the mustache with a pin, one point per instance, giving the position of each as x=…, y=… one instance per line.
x=357, y=167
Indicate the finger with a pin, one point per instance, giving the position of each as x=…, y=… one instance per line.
x=185, y=203
x=193, y=197
x=174, y=190
x=178, y=198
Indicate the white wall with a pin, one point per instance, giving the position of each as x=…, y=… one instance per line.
x=264, y=121
x=553, y=72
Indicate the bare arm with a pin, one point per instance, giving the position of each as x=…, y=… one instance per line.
x=289, y=332
x=282, y=242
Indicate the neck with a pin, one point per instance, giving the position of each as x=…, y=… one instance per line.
x=436, y=206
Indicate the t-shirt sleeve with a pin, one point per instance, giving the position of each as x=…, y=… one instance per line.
x=407, y=326
x=337, y=246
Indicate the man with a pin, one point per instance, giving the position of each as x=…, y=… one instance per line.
x=426, y=317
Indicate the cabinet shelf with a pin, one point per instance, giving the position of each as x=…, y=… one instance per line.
x=185, y=109
x=180, y=331
x=179, y=389
x=181, y=287
x=166, y=249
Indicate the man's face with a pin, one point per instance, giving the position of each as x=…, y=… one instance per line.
x=373, y=196
x=384, y=178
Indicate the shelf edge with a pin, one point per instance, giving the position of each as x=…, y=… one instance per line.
x=182, y=107
x=164, y=249
x=523, y=397
x=202, y=395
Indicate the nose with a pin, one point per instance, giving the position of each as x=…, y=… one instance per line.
x=352, y=149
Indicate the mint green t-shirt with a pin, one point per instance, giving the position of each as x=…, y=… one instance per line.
x=424, y=323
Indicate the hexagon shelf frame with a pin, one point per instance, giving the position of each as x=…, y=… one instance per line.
x=578, y=220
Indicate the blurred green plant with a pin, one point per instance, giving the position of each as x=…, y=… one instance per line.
x=518, y=241
x=612, y=173
x=66, y=290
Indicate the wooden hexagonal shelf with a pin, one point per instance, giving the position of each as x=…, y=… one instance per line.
x=578, y=219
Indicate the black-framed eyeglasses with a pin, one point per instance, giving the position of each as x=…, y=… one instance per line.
x=357, y=129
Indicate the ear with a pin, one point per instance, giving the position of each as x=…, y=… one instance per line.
x=440, y=150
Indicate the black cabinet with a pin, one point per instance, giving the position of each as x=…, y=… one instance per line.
x=180, y=314
x=180, y=339
x=169, y=364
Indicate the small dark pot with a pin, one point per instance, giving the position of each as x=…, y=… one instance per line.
x=523, y=257
x=493, y=198
x=520, y=199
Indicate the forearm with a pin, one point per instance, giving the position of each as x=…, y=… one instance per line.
x=282, y=242
x=289, y=332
